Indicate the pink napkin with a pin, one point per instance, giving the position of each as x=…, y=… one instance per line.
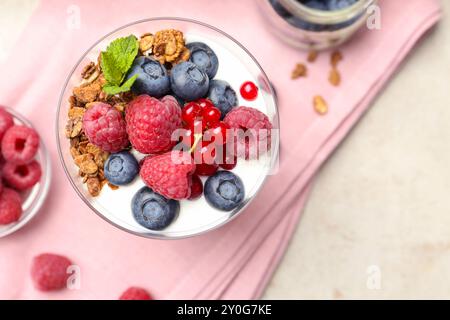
x=237, y=260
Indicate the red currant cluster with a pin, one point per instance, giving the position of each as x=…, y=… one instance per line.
x=206, y=136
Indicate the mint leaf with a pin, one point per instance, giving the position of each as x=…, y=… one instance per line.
x=116, y=61
x=125, y=87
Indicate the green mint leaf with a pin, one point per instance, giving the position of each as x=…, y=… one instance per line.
x=118, y=58
x=125, y=87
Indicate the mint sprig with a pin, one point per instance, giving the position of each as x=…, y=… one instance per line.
x=115, y=63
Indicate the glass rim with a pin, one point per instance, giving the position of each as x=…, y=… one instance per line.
x=326, y=17
x=206, y=228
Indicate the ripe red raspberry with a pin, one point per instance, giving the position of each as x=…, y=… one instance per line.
x=135, y=293
x=105, y=127
x=249, y=144
x=20, y=144
x=10, y=206
x=22, y=176
x=169, y=174
x=151, y=122
x=49, y=271
x=6, y=121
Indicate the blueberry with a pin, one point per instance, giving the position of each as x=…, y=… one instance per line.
x=316, y=4
x=224, y=190
x=204, y=58
x=280, y=9
x=121, y=168
x=340, y=4
x=222, y=96
x=188, y=81
x=153, y=211
x=152, y=79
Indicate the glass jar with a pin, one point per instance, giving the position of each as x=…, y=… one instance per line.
x=313, y=29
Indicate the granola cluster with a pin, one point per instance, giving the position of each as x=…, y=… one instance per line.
x=168, y=47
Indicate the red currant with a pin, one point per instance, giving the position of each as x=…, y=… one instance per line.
x=205, y=169
x=204, y=103
x=198, y=126
x=205, y=160
x=211, y=115
x=190, y=112
x=229, y=162
x=249, y=91
x=196, y=187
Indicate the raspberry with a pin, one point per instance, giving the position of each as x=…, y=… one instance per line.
x=6, y=121
x=170, y=178
x=22, y=176
x=105, y=127
x=135, y=293
x=20, y=144
x=49, y=271
x=151, y=122
x=255, y=142
x=10, y=206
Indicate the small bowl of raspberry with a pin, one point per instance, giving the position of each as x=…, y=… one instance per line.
x=25, y=171
x=167, y=128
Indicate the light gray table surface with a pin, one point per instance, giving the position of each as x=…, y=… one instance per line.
x=377, y=224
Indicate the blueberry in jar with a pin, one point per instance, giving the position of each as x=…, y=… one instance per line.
x=153, y=211
x=224, y=190
x=152, y=77
x=328, y=5
x=222, y=96
x=121, y=168
x=204, y=57
x=188, y=81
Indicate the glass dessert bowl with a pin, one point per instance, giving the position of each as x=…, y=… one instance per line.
x=33, y=198
x=236, y=66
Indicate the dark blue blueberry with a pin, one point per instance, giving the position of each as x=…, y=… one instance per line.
x=224, y=190
x=280, y=9
x=152, y=79
x=204, y=58
x=121, y=168
x=153, y=211
x=340, y=4
x=316, y=4
x=222, y=96
x=188, y=81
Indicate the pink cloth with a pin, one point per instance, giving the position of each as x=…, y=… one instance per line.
x=235, y=261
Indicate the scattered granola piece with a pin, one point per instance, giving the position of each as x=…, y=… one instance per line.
x=94, y=186
x=320, y=105
x=300, y=70
x=312, y=56
x=168, y=45
x=336, y=57
x=335, y=77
